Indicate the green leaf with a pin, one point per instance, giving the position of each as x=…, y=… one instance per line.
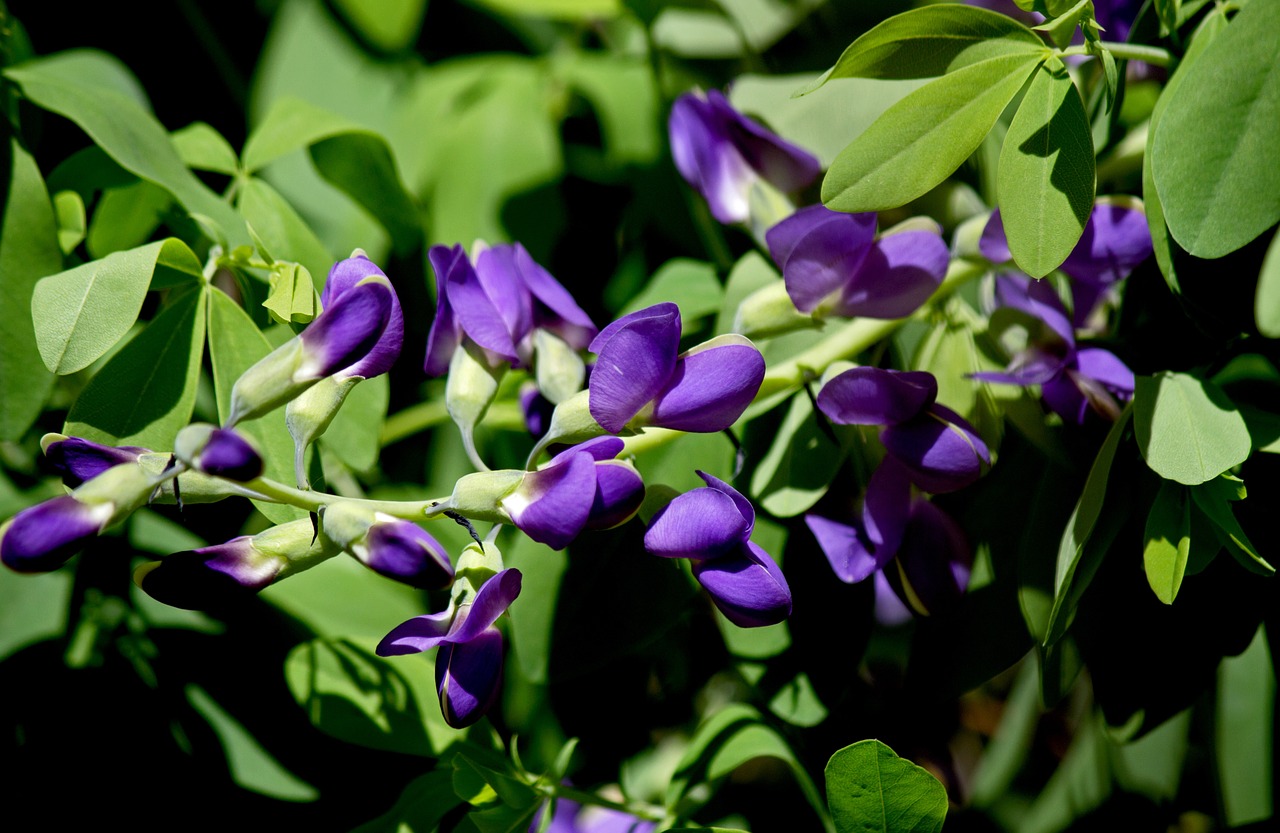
x=1167, y=13
x=1077, y=562
x=872, y=790
x=28, y=251
x=624, y=98
x=1046, y=176
x=126, y=217
x=558, y=9
x=690, y=284
x=356, y=696
x=1061, y=29
x=235, y=345
x=354, y=434
x=535, y=609
x=798, y=703
x=1266, y=304
x=83, y=312
x=252, y=766
x=799, y=466
x=425, y=801
x=278, y=225
x=923, y=138
x=1187, y=428
x=203, y=148
x=390, y=25
x=33, y=608
x=159, y=369
x=71, y=220
x=1214, y=499
x=1213, y=158
x=482, y=777
x=1168, y=541
x=932, y=41
x=1243, y=737
x=292, y=297
x=121, y=127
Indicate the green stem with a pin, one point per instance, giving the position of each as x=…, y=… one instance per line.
x=1153, y=55
x=276, y=492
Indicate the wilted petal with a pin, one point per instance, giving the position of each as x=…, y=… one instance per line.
x=932, y=567
x=699, y=524
x=874, y=396
x=619, y=493
x=939, y=449
x=898, y=274
x=209, y=577
x=637, y=355
x=446, y=333
x=747, y=586
x=41, y=538
x=819, y=250
x=710, y=386
x=348, y=330
x=78, y=460
x=469, y=677
x=343, y=277
x=552, y=504
x=404, y=551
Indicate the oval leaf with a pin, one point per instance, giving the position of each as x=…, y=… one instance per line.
x=1046, y=175
x=871, y=789
x=1266, y=306
x=1214, y=156
x=1168, y=541
x=922, y=139
x=1187, y=428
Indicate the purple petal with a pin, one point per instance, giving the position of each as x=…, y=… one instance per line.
x=710, y=386
x=343, y=277
x=747, y=586
x=940, y=450
x=1115, y=240
x=743, y=505
x=421, y=633
x=637, y=355
x=898, y=274
x=1103, y=366
x=699, y=524
x=446, y=333
x=932, y=568
x=403, y=551
x=537, y=409
x=890, y=611
x=41, y=538
x=873, y=396
x=78, y=460
x=845, y=547
x=706, y=158
x=348, y=330
x=993, y=244
x=493, y=308
x=599, y=448
x=469, y=678
x=857, y=550
x=619, y=493
x=554, y=308
x=1030, y=367
x=227, y=454
x=551, y=505
x=1037, y=299
x=210, y=577
x=779, y=162
x=1064, y=397
x=491, y=601
x=345, y=274
x=818, y=251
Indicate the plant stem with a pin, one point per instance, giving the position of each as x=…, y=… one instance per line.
x=1153, y=55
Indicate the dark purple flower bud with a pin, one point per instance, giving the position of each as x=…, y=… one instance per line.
x=712, y=527
x=469, y=662
x=41, y=538
x=219, y=452
x=345, y=276
x=209, y=577
x=390, y=546
x=639, y=379
x=78, y=460
x=721, y=154
x=497, y=304
x=931, y=571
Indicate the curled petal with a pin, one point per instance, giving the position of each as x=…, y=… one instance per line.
x=619, y=493
x=747, y=586
x=872, y=396
x=1037, y=299
x=781, y=163
x=348, y=330
x=552, y=505
x=1104, y=367
x=343, y=277
x=856, y=550
x=898, y=274
x=492, y=307
x=407, y=553
x=700, y=524
x=469, y=677
x=446, y=333
x=78, y=460
x=421, y=633
x=41, y=538
x=819, y=250
x=449, y=627
x=939, y=449
x=743, y=505
x=599, y=448
x=637, y=355
x=710, y=386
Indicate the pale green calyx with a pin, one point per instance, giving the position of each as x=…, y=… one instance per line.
x=769, y=311
x=479, y=496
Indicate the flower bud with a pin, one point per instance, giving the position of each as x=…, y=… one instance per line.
x=218, y=452
x=390, y=546
x=78, y=460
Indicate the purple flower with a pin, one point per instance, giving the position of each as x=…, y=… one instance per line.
x=901, y=538
x=711, y=526
x=1073, y=381
x=572, y=817
x=1115, y=240
x=79, y=460
x=345, y=276
x=833, y=264
x=390, y=546
x=722, y=154
x=469, y=662
x=639, y=379
x=41, y=538
x=498, y=304
x=219, y=452
x=583, y=487
x=938, y=449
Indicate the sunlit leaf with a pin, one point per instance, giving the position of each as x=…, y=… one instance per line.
x=1187, y=428
x=872, y=790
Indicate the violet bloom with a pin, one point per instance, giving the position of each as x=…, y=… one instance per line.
x=711, y=526
x=572, y=817
x=902, y=539
x=78, y=460
x=469, y=662
x=499, y=304
x=1073, y=380
x=583, y=487
x=939, y=450
x=358, y=334
x=1115, y=240
x=390, y=546
x=833, y=264
x=639, y=379
x=219, y=452
x=722, y=154
x=41, y=538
